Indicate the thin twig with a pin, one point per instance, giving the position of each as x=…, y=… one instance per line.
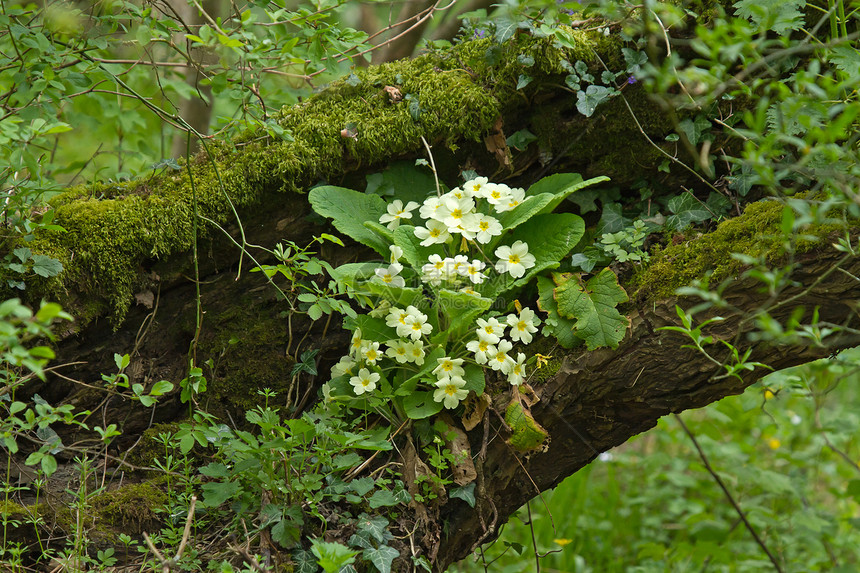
x=728, y=495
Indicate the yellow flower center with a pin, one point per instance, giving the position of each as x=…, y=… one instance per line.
x=450, y=389
x=514, y=259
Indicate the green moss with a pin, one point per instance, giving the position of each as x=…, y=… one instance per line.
x=756, y=233
x=112, y=230
x=526, y=434
x=129, y=508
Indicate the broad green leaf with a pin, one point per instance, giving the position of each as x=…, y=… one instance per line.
x=371, y=328
x=592, y=305
x=403, y=180
x=287, y=533
x=561, y=185
x=383, y=498
x=332, y=556
x=348, y=211
x=461, y=309
x=420, y=404
x=555, y=325
x=382, y=557
x=216, y=493
x=414, y=253
x=588, y=100
x=161, y=387
x=475, y=379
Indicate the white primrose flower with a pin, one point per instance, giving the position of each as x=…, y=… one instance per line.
x=495, y=193
x=396, y=253
x=398, y=350
x=435, y=232
x=356, y=343
x=396, y=317
x=475, y=187
x=456, y=212
x=450, y=391
x=416, y=352
x=416, y=323
x=514, y=259
x=390, y=276
x=473, y=271
x=514, y=198
x=518, y=370
x=343, y=367
x=449, y=367
x=370, y=351
x=487, y=228
x=458, y=266
x=428, y=208
x=524, y=326
x=500, y=360
x=482, y=350
x=490, y=330
x=433, y=271
x=396, y=212
x=458, y=193
x=364, y=382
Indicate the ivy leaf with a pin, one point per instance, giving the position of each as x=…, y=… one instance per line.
x=382, y=557
x=506, y=27
x=375, y=527
x=694, y=129
x=687, y=210
x=304, y=562
x=742, y=182
x=593, y=307
x=612, y=219
x=520, y=140
x=466, y=493
x=588, y=100
x=348, y=211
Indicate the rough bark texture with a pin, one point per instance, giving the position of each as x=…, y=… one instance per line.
x=596, y=400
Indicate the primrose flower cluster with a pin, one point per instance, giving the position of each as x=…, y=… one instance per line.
x=467, y=212
x=456, y=226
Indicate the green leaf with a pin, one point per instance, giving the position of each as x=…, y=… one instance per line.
x=561, y=328
x=475, y=379
x=348, y=211
x=612, y=219
x=382, y=557
x=466, y=493
x=520, y=140
x=46, y=266
x=287, y=533
x=687, y=210
x=49, y=464
x=405, y=181
x=371, y=328
x=383, y=498
x=420, y=404
x=23, y=253
x=304, y=561
x=588, y=100
x=373, y=526
x=461, y=309
x=523, y=81
x=160, y=388
x=781, y=16
x=216, y=493
x=592, y=305
x=332, y=556
x=847, y=59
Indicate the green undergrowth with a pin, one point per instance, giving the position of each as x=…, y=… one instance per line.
x=113, y=229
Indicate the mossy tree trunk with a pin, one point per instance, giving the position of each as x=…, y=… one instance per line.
x=132, y=281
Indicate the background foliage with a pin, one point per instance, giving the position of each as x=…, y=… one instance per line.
x=762, y=101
